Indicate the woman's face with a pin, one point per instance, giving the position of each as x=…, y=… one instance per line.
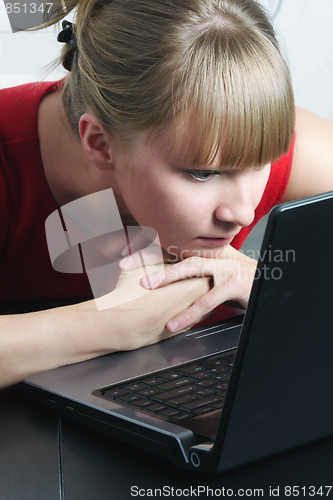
x=195, y=211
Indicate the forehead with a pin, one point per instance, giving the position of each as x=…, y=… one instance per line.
x=181, y=144
x=232, y=141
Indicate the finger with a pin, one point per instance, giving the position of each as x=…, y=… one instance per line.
x=199, y=309
x=193, y=267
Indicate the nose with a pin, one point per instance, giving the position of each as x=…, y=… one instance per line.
x=236, y=205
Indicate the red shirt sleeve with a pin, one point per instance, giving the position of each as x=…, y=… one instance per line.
x=4, y=204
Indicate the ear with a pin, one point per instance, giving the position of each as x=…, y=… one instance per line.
x=95, y=142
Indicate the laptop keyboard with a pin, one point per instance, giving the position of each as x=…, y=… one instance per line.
x=179, y=393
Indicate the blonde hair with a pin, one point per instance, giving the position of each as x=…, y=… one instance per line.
x=209, y=66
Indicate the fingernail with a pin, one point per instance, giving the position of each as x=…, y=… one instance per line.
x=125, y=252
x=173, y=325
x=148, y=282
x=126, y=263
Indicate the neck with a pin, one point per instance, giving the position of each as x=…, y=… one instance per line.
x=65, y=165
x=69, y=173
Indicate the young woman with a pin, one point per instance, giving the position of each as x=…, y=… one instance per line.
x=185, y=109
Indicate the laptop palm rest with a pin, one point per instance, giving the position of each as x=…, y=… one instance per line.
x=80, y=380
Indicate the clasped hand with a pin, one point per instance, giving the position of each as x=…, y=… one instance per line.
x=231, y=276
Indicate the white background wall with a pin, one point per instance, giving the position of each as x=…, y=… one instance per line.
x=304, y=28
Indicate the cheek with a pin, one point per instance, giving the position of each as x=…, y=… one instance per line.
x=170, y=213
x=259, y=185
x=162, y=196
x=151, y=203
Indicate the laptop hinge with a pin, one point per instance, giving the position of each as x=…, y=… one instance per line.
x=199, y=453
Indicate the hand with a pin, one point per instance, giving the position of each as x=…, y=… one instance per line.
x=144, y=313
x=231, y=276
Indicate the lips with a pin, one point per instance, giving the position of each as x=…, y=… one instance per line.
x=209, y=241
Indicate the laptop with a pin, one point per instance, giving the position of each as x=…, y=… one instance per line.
x=220, y=396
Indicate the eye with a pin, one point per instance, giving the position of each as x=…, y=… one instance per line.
x=200, y=175
x=261, y=167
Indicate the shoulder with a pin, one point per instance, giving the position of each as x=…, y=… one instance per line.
x=312, y=164
x=19, y=108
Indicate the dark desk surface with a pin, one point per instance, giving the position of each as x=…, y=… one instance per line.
x=47, y=457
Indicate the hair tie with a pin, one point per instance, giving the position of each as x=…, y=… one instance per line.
x=67, y=34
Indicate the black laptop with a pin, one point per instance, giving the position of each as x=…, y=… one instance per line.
x=217, y=397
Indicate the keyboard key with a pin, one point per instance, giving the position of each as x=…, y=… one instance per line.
x=135, y=387
x=180, y=416
x=182, y=400
x=213, y=363
x=224, y=377
x=201, y=375
x=155, y=380
x=189, y=370
x=149, y=391
x=219, y=369
x=202, y=402
x=130, y=398
x=142, y=403
x=221, y=387
x=156, y=407
x=176, y=392
x=114, y=393
x=205, y=392
x=172, y=375
x=224, y=386
x=208, y=382
x=170, y=412
x=174, y=384
x=205, y=409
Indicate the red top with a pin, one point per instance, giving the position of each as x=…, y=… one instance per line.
x=26, y=201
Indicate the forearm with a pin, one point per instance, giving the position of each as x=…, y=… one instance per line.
x=34, y=342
